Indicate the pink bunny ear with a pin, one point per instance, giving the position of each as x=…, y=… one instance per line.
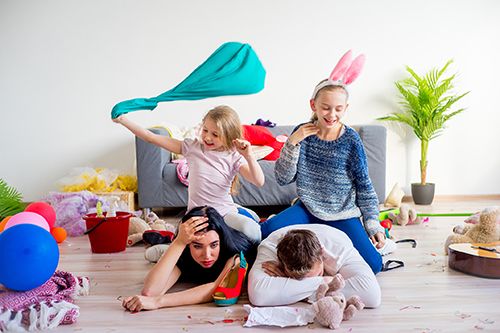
x=341, y=66
x=354, y=70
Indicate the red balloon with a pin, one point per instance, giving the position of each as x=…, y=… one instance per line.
x=44, y=209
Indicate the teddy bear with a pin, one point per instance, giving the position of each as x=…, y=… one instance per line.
x=137, y=226
x=486, y=230
x=406, y=215
x=155, y=223
x=331, y=307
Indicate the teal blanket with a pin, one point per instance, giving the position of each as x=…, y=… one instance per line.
x=233, y=69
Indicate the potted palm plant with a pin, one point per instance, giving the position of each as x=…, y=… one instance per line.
x=426, y=105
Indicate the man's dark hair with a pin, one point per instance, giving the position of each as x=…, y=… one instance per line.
x=298, y=251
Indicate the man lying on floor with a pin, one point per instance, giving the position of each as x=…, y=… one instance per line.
x=293, y=261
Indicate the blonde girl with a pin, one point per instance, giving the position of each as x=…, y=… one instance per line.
x=214, y=160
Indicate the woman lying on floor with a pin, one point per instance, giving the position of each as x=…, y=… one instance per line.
x=201, y=253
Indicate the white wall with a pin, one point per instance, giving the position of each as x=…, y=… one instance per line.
x=64, y=64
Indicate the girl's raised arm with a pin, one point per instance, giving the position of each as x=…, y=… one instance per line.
x=252, y=170
x=171, y=144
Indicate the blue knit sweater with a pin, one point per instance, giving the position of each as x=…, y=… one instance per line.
x=332, y=178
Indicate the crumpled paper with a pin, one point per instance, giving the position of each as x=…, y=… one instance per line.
x=282, y=316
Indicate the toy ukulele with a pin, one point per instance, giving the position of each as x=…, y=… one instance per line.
x=479, y=259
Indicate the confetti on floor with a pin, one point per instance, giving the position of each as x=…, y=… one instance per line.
x=462, y=315
x=409, y=307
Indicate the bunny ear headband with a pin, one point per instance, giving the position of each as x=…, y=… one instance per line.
x=344, y=73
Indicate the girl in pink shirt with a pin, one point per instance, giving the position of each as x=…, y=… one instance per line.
x=214, y=160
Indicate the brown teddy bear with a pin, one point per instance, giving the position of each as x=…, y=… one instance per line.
x=485, y=231
x=331, y=307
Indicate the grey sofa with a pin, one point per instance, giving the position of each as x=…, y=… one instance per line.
x=159, y=186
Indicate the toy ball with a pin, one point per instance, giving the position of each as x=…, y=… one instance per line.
x=27, y=218
x=4, y=222
x=43, y=209
x=59, y=234
x=29, y=256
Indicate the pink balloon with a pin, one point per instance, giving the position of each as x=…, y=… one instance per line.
x=27, y=217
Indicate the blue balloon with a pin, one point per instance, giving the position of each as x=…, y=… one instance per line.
x=29, y=256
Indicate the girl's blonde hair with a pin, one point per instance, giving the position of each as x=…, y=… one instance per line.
x=227, y=122
x=339, y=87
x=229, y=126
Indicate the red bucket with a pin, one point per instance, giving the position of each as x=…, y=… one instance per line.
x=107, y=234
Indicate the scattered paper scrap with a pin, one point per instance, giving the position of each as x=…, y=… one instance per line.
x=409, y=307
x=462, y=315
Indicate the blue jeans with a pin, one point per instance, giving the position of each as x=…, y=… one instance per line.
x=298, y=214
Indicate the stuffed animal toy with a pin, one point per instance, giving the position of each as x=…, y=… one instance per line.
x=473, y=219
x=406, y=215
x=485, y=231
x=155, y=223
x=137, y=226
x=261, y=136
x=331, y=307
x=395, y=197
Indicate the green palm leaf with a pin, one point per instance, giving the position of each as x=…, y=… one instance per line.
x=10, y=200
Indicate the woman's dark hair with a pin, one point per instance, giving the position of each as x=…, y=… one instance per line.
x=232, y=241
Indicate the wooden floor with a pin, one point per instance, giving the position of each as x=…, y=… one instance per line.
x=424, y=296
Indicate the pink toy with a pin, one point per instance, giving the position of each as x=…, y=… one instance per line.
x=27, y=217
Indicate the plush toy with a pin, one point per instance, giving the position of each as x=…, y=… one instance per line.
x=261, y=136
x=155, y=223
x=331, y=307
x=473, y=219
x=406, y=215
x=485, y=231
x=395, y=197
x=137, y=226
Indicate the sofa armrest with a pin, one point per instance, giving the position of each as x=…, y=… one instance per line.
x=151, y=161
x=374, y=139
